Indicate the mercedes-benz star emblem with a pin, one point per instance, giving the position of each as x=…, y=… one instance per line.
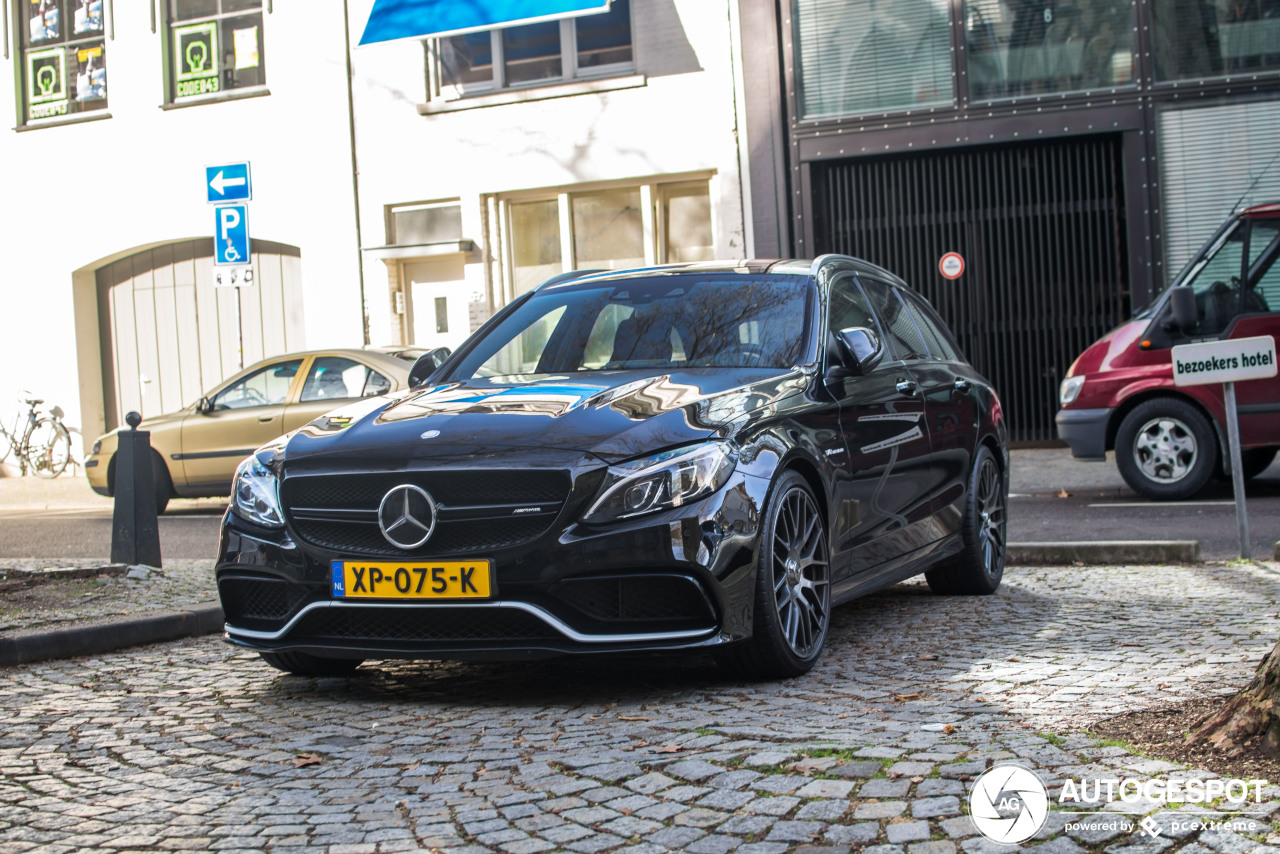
x=407, y=516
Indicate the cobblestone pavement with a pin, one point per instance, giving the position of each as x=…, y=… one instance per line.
x=54, y=605
x=199, y=746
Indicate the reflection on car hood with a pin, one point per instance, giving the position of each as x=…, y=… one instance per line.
x=614, y=415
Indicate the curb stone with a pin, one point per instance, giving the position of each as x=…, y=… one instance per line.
x=26, y=647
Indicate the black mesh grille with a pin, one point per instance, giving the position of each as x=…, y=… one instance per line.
x=250, y=602
x=423, y=625
x=638, y=598
x=453, y=534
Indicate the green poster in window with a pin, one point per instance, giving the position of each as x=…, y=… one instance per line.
x=46, y=83
x=195, y=56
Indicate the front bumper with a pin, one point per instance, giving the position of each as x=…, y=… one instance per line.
x=678, y=579
x=1085, y=430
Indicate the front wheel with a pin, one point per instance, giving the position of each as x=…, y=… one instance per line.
x=1166, y=449
x=979, y=567
x=793, y=586
x=48, y=448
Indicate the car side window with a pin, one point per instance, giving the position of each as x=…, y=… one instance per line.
x=336, y=378
x=264, y=387
x=904, y=337
x=847, y=307
x=931, y=327
x=1263, y=293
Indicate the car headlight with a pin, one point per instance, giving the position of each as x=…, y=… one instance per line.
x=97, y=447
x=256, y=494
x=1070, y=389
x=670, y=479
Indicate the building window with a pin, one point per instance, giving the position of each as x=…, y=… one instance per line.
x=64, y=60
x=868, y=57
x=535, y=54
x=215, y=46
x=1034, y=47
x=1194, y=40
x=608, y=229
x=429, y=222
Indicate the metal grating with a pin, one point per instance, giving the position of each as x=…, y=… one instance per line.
x=422, y=625
x=1042, y=230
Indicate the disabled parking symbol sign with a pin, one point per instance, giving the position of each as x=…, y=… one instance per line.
x=231, y=235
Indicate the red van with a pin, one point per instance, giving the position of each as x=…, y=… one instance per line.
x=1119, y=394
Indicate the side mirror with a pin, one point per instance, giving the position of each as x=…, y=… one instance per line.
x=426, y=366
x=861, y=347
x=204, y=405
x=1182, y=302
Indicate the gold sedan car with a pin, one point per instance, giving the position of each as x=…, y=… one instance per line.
x=197, y=449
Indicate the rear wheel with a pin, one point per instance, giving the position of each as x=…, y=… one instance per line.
x=305, y=664
x=163, y=483
x=1166, y=449
x=1254, y=461
x=48, y=448
x=793, y=587
x=979, y=567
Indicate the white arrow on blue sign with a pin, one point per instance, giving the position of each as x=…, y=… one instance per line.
x=231, y=235
x=228, y=183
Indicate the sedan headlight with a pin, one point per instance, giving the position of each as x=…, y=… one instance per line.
x=256, y=494
x=670, y=479
x=1070, y=389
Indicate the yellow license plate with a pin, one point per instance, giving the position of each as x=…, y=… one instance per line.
x=442, y=579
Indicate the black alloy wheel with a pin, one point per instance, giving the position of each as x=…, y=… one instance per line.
x=979, y=567
x=793, y=586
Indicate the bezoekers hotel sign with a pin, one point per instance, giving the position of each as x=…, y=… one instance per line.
x=1228, y=361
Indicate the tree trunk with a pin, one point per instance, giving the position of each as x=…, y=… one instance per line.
x=1251, y=714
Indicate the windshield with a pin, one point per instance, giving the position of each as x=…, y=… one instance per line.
x=658, y=323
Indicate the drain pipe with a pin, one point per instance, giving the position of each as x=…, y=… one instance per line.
x=355, y=169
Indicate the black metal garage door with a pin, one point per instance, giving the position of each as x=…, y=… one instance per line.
x=1041, y=228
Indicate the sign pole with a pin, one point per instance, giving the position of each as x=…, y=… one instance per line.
x=1237, y=469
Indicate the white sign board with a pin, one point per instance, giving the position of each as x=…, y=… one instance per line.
x=232, y=277
x=1230, y=361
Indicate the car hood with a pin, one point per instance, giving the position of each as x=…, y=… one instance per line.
x=614, y=416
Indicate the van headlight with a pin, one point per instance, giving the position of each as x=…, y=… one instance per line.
x=670, y=479
x=1070, y=389
x=256, y=494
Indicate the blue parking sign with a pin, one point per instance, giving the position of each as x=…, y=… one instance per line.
x=231, y=234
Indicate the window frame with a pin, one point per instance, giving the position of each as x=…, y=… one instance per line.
x=169, y=55
x=653, y=225
x=570, y=71
x=67, y=42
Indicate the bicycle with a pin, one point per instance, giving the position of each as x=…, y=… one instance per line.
x=44, y=447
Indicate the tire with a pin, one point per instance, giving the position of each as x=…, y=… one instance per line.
x=979, y=567
x=305, y=664
x=48, y=448
x=792, y=587
x=163, y=484
x=1166, y=449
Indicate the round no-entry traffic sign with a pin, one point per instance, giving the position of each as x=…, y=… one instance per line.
x=951, y=265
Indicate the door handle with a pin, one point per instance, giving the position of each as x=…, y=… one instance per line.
x=265, y=419
x=962, y=384
x=907, y=387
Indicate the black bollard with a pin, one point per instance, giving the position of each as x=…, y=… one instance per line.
x=135, y=532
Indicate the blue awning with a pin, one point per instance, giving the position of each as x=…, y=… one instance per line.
x=406, y=19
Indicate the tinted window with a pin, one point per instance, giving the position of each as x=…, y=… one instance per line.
x=1263, y=293
x=905, y=339
x=729, y=321
x=931, y=326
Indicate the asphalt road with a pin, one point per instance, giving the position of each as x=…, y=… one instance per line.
x=190, y=529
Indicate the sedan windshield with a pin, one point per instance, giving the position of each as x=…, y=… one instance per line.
x=653, y=323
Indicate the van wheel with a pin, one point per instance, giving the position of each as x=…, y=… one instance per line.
x=1166, y=449
x=305, y=664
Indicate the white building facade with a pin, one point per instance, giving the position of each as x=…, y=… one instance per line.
x=401, y=192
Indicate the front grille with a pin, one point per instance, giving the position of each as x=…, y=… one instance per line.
x=422, y=625
x=639, y=598
x=475, y=509
x=258, y=603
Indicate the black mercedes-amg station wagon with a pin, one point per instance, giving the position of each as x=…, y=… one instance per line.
x=701, y=457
